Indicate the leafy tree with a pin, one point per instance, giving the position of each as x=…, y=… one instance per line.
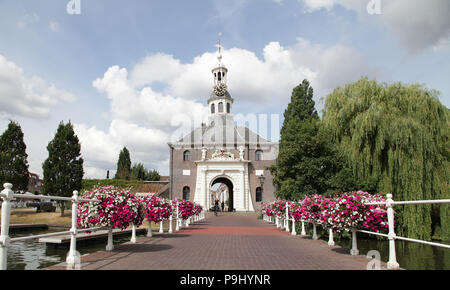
x=394, y=136
x=139, y=172
x=13, y=158
x=124, y=165
x=63, y=169
x=307, y=159
x=153, y=175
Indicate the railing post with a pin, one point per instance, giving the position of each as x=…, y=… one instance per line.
x=161, y=230
x=133, y=234
x=6, y=213
x=73, y=257
x=354, y=251
x=110, y=245
x=392, y=263
x=314, y=236
x=294, y=233
x=149, y=230
x=303, y=233
x=170, y=224
x=177, y=221
x=287, y=219
x=330, y=238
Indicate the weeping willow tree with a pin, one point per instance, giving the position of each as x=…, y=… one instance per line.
x=396, y=135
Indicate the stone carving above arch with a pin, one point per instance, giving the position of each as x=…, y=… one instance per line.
x=221, y=154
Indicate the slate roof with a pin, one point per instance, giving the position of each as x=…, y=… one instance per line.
x=231, y=134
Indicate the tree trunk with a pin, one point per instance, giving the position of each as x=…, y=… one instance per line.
x=62, y=206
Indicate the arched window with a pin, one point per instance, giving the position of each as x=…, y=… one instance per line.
x=213, y=109
x=186, y=193
x=258, y=194
x=228, y=107
x=186, y=156
x=258, y=155
x=220, y=107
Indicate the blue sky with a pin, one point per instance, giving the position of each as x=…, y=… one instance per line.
x=121, y=70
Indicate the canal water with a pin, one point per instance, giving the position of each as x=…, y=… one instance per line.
x=32, y=255
x=410, y=256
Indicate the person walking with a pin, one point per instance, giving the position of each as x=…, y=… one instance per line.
x=216, y=206
x=223, y=206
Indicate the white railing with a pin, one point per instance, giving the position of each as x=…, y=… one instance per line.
x=392, y=264
x=73, y=257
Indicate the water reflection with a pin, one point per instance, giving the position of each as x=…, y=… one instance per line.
x=410, y=256
x=32, y=255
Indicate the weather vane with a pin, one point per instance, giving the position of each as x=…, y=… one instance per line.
x=219, y=44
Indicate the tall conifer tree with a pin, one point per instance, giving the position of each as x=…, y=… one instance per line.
x=124, y=165
x=63, y=169
x=13, y=158
x=306, y=159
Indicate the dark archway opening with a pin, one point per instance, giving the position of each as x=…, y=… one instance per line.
x=230, y=195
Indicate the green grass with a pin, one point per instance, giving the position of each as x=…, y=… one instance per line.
x=89, y=184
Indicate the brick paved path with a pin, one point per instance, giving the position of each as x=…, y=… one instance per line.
x=229, y=241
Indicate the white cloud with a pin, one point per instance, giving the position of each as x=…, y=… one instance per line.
x=143, y=106
x=417, y=24
x=27, y=96
x=144, y=120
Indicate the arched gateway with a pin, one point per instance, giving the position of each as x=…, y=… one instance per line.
x=221, y=151
x=225, y=196
x=223, y=166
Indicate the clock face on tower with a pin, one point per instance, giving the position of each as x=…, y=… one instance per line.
x=220, y=89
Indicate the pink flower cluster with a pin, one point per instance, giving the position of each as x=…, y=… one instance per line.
x=311, y=208
x=341, y=212
x=274, y=208
x=197, y=209
x=266, y=209
x=156, y=209
x=116, y=208
x=185, y=209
